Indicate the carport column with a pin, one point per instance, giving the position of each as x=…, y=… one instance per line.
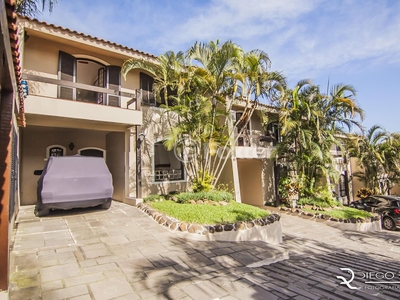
x=139, y=140
x=236, y=180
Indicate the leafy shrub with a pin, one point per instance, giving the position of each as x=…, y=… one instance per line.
x=215, y=195
x=322, y=198
x=202, y=182
x=153, y=198
x=318, y=202
x=283, y=182
x=364, y=193
x=225, y=188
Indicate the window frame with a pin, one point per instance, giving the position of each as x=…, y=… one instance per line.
x=92, y=148
x=54, y=146
x=153, y=169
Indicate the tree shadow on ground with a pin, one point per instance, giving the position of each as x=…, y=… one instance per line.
x=159, y=264
x=256, y=270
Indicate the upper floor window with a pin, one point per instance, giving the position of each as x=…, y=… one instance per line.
x=146, y=85
x=273, y=131
x=242, y=128
x=91, y=73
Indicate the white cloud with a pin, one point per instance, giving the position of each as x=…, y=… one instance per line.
x=303, y=38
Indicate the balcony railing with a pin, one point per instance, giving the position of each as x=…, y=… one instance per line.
x=255, y=138
x=254, y=144
x=68, y=90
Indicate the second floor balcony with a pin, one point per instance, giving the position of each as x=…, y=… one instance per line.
x=254, y=144
x=52, y=97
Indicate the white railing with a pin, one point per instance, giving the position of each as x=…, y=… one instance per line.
x=168, y=174
x=255, y=138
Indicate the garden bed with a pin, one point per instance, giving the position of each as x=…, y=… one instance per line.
x=343, y=218
x=264, y=227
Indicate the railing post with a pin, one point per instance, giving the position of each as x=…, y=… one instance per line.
x=138, y=99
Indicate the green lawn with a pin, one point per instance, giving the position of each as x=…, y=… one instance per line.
x=344, y=213
x=207, y=214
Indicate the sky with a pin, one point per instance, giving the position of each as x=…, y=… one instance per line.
x=342, y=41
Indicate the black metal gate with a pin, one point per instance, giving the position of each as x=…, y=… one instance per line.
x=14, y=174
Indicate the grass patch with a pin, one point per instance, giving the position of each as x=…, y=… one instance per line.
x=344, y=213
x=208, y=214
x=185, y=197
x=216, y=196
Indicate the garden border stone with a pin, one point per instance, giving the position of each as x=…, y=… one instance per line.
x=353, y=224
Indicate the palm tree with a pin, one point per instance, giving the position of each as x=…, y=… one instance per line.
x=367, y=148
x=204, y=84
x=167, y=71
x=251, y=81
x=311, y=123
x=31, y=8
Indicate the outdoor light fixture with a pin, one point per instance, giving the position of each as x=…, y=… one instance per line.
x=140, y=139
x=71, y=146
x=141, y=136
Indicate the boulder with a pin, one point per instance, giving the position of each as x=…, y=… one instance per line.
x=228, y=227
x=183, y=226
x=250, y=224
x=240, y=226
x=195, y=228
x=174, y=225
x=219, y=228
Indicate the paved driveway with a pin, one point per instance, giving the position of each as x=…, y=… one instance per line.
x=123, y=254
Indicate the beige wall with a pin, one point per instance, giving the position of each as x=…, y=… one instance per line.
x=115, y=145
x=268, y=180
x=226, y=177
x=250, y=171
x=35, y=140
x=355, y=183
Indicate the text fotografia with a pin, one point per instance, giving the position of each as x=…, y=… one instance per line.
x=373, y=280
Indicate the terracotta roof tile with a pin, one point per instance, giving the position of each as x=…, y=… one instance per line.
x=86, y=35
x=13, y=30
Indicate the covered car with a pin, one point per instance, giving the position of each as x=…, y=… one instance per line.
x=73, y=181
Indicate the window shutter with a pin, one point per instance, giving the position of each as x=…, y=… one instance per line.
x=66, y=71
x=146, y=84
x=114, y=83
x=101, y=82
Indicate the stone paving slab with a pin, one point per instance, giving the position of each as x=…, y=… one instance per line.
x=121, y=253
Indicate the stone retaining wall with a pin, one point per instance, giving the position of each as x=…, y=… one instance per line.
x=355, y=224
x=268, y=229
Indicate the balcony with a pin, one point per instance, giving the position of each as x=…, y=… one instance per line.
x=77, y=101
x=254, y=144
